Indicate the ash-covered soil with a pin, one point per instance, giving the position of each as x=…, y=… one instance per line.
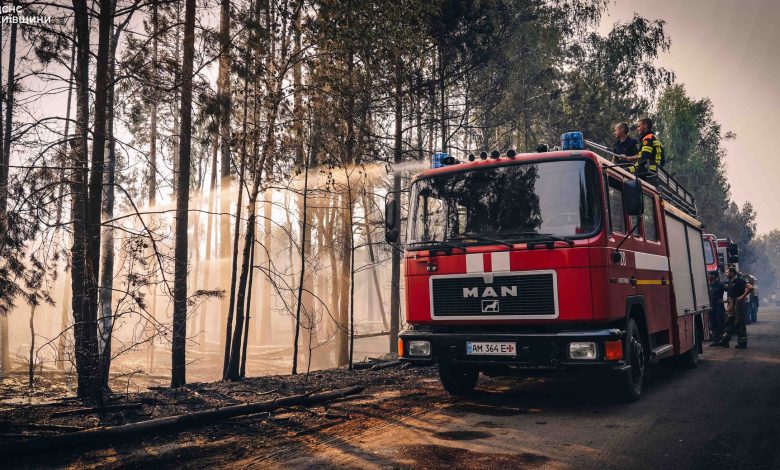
x=48, y=413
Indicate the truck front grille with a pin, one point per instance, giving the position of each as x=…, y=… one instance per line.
x=510, y=295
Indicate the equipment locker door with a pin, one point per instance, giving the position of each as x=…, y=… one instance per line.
x=680, y=265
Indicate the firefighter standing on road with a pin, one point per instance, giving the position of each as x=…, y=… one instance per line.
x=651, y=152
x=738, y=291
x=718, y=311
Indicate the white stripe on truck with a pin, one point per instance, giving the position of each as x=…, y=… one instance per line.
x=650, y=262
x=500, y=261
x=475, y=263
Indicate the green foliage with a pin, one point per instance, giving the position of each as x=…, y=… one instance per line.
x=693, y=142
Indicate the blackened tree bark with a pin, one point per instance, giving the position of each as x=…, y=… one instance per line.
x=233, y=340
x=5, y=155
x=304, y=233
x=178, y=372
x=85, y=338
x=152, y=181
x=106, y=324
x=443, y=102
x=395, y=279
x=9, y=113
x=65, y=311
x=242, y=371
x=88, y=196
x=225, y=109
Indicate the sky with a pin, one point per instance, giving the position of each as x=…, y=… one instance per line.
x=728, y=51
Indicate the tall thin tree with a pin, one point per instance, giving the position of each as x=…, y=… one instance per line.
x=178, y=372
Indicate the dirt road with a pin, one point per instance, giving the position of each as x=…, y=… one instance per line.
x=723, y=415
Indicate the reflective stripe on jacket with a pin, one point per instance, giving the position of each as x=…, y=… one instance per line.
x=650, y=154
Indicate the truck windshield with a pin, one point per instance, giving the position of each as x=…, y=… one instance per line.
x=709, y=256
x=511, y=202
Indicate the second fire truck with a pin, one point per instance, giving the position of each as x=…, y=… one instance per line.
x=559, y=260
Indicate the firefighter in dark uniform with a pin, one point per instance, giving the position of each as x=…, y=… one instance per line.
x=739, y=290
x=718, y=311
x=625, y=145
x=651, y=152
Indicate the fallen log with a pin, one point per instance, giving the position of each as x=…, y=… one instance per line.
x=385, y=365
x=95, y=409
x=41, y=427
x=103, y=435
x=364, y=365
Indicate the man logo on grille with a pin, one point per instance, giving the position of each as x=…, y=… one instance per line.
x=490, y=306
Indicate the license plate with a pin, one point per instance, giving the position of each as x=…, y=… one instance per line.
x=490, y=349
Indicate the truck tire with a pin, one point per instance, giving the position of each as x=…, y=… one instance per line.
x=457, y=379
x=629, y=383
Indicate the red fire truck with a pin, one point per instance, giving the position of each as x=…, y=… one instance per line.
x=728, y=254
x=711, y=253
x=557, y=261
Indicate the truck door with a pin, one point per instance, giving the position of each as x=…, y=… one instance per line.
x=652, y=268
x=621, y=275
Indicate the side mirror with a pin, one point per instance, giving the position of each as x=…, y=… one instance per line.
x=632, y=197
x=391, y=224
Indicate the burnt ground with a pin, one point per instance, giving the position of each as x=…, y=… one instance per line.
x=723, y=415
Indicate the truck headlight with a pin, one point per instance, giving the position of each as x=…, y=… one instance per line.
x=582, y=350
x=419, y=348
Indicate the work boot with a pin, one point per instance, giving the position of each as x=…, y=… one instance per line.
x=721, y=343
x=741, y=346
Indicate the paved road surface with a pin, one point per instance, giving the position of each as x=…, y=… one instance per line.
x=723, y=415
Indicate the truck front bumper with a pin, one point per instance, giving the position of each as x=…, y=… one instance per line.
x=533, y=351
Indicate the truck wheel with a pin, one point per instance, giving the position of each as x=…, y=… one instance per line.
x=458, y=379
x=630, y=382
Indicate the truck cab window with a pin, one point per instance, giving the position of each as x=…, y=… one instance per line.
x=633, y=222
x=648, y=219
x=520, y=201
x=617, y=218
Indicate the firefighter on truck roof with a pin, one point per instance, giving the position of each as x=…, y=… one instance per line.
x=651, y=152
x=625, y=145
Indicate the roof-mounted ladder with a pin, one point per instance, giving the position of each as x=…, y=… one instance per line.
x=668, y=187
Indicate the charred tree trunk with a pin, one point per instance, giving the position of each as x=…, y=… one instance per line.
x=178, y=375
x=234, y=265
x=88, y=199
x=442, y=103
x=242, y=371
x=304, y=244
x=5, y=355
x=266, y=324
x=233, y=345
x=233, y=370
x=152, y=181
x=31, y=365
x=64, y=160
x=224, y=95
x=395, y=288
x=106, y=324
